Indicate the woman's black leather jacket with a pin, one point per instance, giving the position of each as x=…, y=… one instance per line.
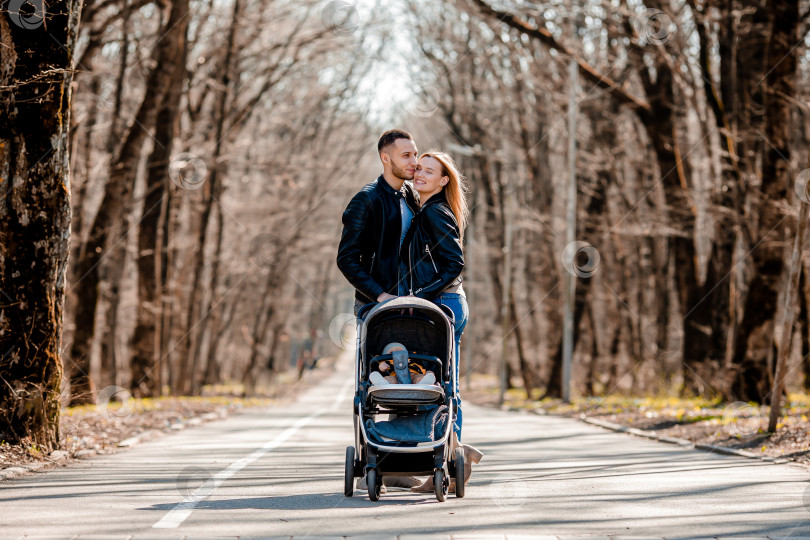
x=432, y=249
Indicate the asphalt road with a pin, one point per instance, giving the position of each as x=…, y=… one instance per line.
x=279, y=472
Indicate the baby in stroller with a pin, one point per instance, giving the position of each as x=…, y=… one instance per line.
x=401, y=369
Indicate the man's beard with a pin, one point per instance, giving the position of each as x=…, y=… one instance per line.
x=402, y=174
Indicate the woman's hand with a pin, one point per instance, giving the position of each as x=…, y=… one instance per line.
x=385, y=296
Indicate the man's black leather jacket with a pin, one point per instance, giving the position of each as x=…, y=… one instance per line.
x=432, y=249
x=368, y=254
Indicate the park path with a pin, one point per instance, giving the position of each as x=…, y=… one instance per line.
x=278, y=472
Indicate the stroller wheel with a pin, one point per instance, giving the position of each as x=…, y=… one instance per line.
x=440, y=484
x=348, y=480
x=374, y=485
x=459, y=464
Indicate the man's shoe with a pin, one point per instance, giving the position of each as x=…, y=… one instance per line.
x=471, y=455
x=425, y=487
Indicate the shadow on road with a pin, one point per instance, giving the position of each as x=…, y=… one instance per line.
x=313, y=501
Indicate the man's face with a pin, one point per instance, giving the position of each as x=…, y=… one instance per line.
x=401, y=156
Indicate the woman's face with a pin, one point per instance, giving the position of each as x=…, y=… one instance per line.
x=428, y=179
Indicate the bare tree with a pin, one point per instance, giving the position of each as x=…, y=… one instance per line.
x=35, y=79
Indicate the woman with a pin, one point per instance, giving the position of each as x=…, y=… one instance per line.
x=433, y=255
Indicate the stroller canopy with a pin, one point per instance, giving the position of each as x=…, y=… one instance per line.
x=426, y=330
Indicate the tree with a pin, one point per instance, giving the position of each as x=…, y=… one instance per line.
x=35, y=78
x=117, y=193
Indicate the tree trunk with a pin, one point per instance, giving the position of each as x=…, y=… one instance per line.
x=526, y=371
x=167, y=311
x=541, y=270
x=35, y=79
x=144, y=361
x=276, y=275
x=192, y=341
x=594, y=209
x=112, y=269
x=663, y=348
x=756, y=337
x=804, y=329
x=220, y=324
x=193, y=347
x=116, y=192
x=590, y=374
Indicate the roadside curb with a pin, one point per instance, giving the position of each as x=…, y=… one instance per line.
x=688, y=445
x=19, y=470
x=58, y=456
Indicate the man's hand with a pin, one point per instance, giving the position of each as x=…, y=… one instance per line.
x=385, y=296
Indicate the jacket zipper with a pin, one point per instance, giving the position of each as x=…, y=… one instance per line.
x=428, y=285
x=410, y=272
x=427, y=250
x=372, y=262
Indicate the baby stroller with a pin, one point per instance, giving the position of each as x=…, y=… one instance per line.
x=426, y=330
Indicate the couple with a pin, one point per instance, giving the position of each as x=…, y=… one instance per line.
x=395, y=245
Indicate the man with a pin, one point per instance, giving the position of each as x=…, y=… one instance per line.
x=375, y=223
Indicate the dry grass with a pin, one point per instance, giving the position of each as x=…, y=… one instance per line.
x=733, y=425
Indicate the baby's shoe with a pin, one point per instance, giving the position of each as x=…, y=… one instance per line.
x=429, y=378
x=376, y=378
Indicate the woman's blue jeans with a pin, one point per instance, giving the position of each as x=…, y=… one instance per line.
x=457, y=303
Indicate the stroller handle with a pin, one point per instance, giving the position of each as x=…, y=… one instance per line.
x=363, y=311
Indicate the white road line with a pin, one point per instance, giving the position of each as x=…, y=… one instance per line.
x=179, y=513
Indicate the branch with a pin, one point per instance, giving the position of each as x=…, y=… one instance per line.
x=545, y=37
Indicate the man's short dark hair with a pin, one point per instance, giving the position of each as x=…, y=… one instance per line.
x=390, y=136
